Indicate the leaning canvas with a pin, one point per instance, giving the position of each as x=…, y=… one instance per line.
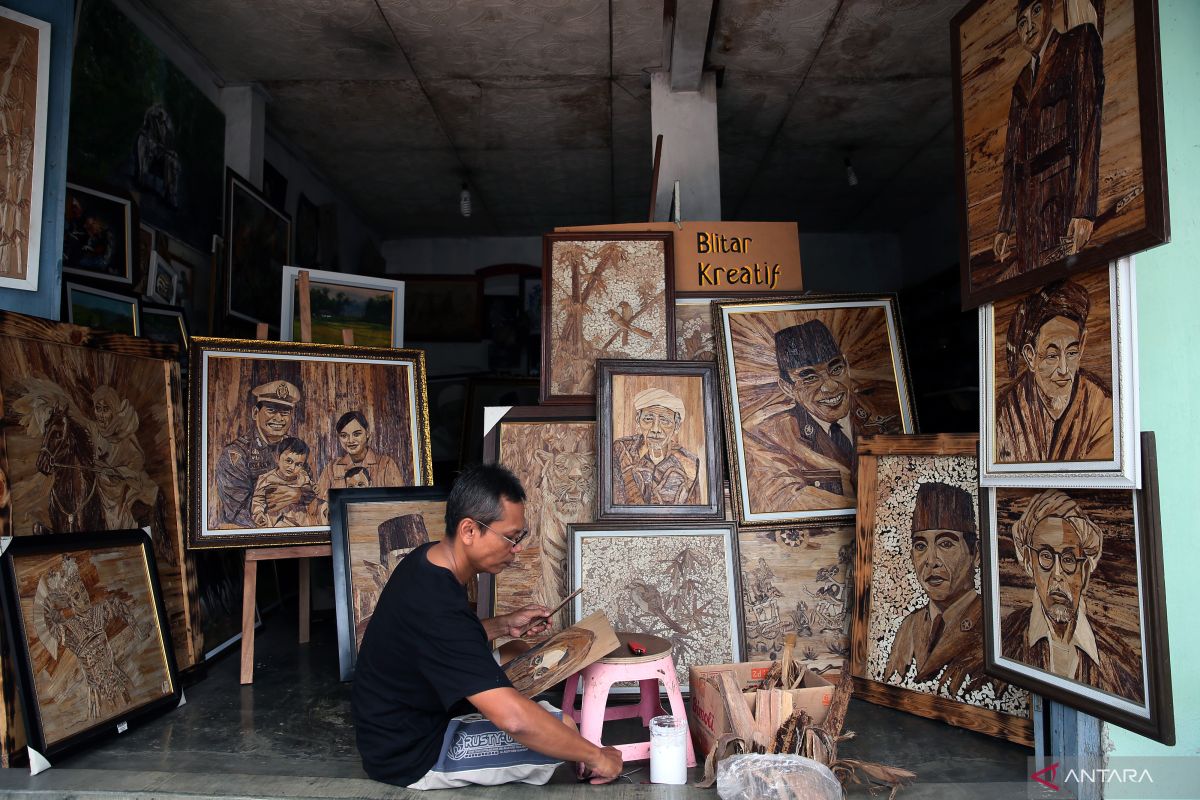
x=371, y=308
x=277, y=425
x=87, y=631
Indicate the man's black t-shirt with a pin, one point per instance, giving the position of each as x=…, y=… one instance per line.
x=423, y=653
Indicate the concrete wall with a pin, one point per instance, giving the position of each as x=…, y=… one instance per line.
x=45, y=301
x=444, y=256
x=1168, y=296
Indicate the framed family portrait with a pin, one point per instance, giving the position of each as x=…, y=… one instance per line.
x=802, y=379
x=678, y=581
x=1058, y=369
x=917, y=640
x=277, y=425
x=92, y=307
x=1074, y=601
x=94, y=442
x=373, y=308
x=373, y=529
x=1059, y=124
x=25, y=45
x=88, y=635
x=798, y=581
x=552, y=450
x=659, y=439
x=98, y=235
x=605, y=295
x=258, y=243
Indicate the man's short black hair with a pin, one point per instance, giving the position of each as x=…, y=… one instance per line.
x=291, y=444
x=477, y=494
x=804, y=345
x=348, y=417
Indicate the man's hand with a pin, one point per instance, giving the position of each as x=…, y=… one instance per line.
x=532, y=620
x=1000, y=245
x=1079, y=232
x=604, y=767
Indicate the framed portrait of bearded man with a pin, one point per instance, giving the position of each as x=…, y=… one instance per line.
x=1058, y=369
x=802, y=378
x=1059, y=122
x=1074, y=606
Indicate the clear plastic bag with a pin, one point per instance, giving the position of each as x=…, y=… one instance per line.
x=775, y=777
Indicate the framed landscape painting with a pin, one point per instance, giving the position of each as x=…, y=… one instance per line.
x=98, y=308
x=605, y=295
x=1059, y=123
x=1074, y=601
x=88, y=634
x=802, y=379
x=372, y=531
x=372, y=308
x=917, y=633
x=277, y=425
x=258, y=243
x=1058, y=371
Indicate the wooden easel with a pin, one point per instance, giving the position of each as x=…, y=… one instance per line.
x=305, y=553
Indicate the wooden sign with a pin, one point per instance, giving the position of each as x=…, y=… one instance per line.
x=726, y=257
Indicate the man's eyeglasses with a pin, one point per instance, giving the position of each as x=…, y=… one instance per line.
x=1067, y=559
x=515, y=540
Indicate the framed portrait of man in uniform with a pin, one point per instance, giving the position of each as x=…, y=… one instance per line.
x=1059, y=122
x=802, y=378
x=1074, y=606
x=277, y=425
x=659, y=441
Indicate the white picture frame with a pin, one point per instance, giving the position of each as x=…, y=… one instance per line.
x=362, y=283
x=160, y=268
x=1123, y=470
x=33, y=243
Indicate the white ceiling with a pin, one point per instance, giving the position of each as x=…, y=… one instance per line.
x=542, y=104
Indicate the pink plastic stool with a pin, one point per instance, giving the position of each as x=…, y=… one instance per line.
x=656, y=665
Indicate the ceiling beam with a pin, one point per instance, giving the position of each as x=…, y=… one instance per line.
x=685, y=27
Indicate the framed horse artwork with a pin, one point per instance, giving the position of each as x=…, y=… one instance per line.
x=92, y=442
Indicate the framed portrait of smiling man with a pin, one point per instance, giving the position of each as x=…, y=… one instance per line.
x=1074, y=602
x=1061, y=160
x=1058, y=369
x=802, y=378
x=277, y=425
x=658, y=440
x=916, y=631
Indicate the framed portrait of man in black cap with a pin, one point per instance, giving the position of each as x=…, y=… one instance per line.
x=802, y=378
x=917, y=621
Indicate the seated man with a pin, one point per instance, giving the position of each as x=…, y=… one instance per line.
x=425, y=662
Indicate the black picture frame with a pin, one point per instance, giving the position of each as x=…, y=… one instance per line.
x=256, y=251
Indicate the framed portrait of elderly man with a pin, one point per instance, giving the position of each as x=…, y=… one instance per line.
x=1058, y=369
x=1074, y=602
x=659, y=440
x=802, y=378
x=373, y=529
x=277, y=425
x=917, y=630
x=605, y=295
x=1059, y=123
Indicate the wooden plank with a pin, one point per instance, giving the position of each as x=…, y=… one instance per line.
x=295, y=551
x=348, y=337
x=860, y=601
x=249, y=590
x=260, y=331
x=658, y=143
x=305, y=309
x=736, y=710
x=932, y=444
x=305, y=596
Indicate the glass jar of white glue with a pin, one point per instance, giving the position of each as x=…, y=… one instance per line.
x=668, y=750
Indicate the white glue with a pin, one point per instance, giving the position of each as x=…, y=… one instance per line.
x=668, y=750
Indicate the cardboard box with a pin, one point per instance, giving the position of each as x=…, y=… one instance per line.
x=706, y=717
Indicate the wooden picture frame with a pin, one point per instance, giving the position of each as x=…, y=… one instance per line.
x=442, y=308
x=694, y=339
x=636, y=571
x=366, y=523
x=1121, y=597
x=258, y=243
x=92, y=307
x=573, y=268
x=483, y=392
x=235, y=465
x=98, y=235
x=328, y=318
x=26, y=41
x=918, y=540
x=1084, y=353
x=162, y=281
x=787, y=464
x=1103, y=62
x=552, y=450
x=62, y=593
x=686, y=480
